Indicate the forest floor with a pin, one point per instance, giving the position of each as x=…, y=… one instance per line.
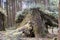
x=6, y=36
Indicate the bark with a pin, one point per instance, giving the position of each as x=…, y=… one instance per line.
x=2, y=19
x=39, y=21
x=11, y=10
x=38, y=24
x=59, y=22
x=0, y=3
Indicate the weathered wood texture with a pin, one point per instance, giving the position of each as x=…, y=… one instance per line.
x=13, y=6
x=0, y=3
x=2, y=19
x=59, y=22
x=38, y=25
x=39, y=21
x=11, y=11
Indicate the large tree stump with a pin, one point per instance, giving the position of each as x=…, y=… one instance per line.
x=39, y=21
x=35, y=21
x=38, y=24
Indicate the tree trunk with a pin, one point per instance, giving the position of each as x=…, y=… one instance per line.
x=38, y=24
x=2, y=27
x=59, y=22
x=0, y=3
x=11, y=14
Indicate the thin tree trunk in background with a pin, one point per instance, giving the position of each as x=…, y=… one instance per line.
x=46, y=4
x=0, y=3
x=13, y=6
x=11, y=13
x=8, y=14
x=19, y=5
x=59, y=22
